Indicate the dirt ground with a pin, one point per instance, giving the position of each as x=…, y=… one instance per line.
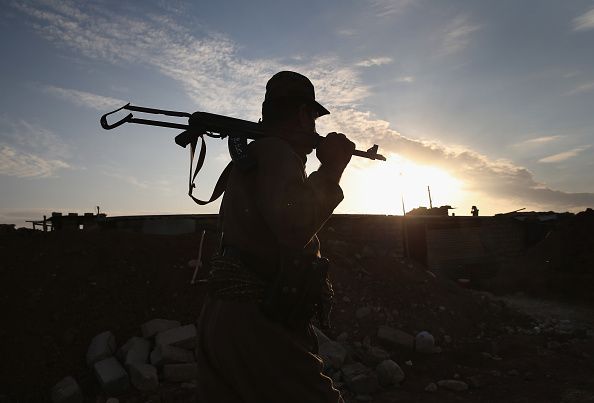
x=58, y=290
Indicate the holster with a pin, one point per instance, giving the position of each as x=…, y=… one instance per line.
x=299, y=291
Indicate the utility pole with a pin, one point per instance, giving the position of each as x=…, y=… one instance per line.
x=430, y=202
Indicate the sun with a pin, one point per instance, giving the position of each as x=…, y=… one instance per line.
x=383, y=187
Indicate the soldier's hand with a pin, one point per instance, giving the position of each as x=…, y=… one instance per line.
x=335, y=151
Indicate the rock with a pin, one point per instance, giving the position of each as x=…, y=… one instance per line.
x=102, y=346
x=137, y=352
x=476, y=381
x=154, y=326
x=183, y=336
x=389, y=373
x=359, y=379
x=363, y=312
x=189, y=385
x=452, y=384
x=363, y=384
x=143, y=376
x=322, y=338
x=431, y=387
x=180, y=372
x=374, y=355
x=351, y=370
x=67, y=391
x=343, y=337
x=425, y=342
x=333, y=354
x=392, y=338
x=166, y=354
x=111, y=376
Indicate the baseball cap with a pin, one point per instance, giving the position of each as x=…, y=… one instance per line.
x=286, y=85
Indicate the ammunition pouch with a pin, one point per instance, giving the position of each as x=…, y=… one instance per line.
x=299, y=292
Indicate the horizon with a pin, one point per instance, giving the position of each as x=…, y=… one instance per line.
x=487, y=104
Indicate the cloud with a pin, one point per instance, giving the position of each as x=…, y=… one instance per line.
x=586, y=87
x=564, y=155
x=538, y=141
x=584, y=22
x=212, y=73
x=85, y=99
x=405, y=79
x=457, y=34
x=28, y=150
x=387, y=8
x=207, y=67
x=160, y=185
x=493, y=179
x=377, y=61
x=346, y=32
x=25, y=165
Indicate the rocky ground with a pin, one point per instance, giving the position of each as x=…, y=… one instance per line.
x=59, y=290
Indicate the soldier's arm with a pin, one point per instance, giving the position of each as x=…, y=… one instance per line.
x=293, y=206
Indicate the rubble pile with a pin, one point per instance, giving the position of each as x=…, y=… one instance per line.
x=164, y=354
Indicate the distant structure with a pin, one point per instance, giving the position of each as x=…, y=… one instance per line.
x=442, y=211
x=70, y=222
x=474, y=211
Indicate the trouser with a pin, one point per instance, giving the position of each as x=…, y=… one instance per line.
x=244, y=357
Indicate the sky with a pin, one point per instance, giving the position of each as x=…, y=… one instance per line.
x=487, y=103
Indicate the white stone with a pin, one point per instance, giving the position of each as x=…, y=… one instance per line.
x=123, y=349
x=138, y=352
x=362, y=312
x=425, y=342
x=183, y=336
x=102, y=346
x=322, y=338
x=374, y=355
x=333, y=354
x=154, y=326
x=452, y=384
x=165, y=354
x=67, y=391
x=343, y=337
x=143, y=376
x=363, y=384
x=180, y=372
x=391, y=337
x=389, y=373
x=352, y=370
x=111, y=376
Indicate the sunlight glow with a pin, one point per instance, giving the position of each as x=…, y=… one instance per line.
x=379, y=187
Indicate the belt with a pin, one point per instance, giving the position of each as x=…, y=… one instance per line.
x=231, y=278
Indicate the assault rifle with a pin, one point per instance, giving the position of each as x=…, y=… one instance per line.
x=202, y=124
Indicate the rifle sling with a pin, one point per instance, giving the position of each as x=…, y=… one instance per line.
x=221, y=182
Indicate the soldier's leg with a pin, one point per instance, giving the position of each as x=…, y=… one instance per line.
x=261, y=361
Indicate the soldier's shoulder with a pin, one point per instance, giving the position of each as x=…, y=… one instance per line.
x=271, y=146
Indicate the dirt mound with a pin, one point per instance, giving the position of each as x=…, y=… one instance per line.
x=61, y=289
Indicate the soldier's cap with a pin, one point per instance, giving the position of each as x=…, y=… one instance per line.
x=289, y=85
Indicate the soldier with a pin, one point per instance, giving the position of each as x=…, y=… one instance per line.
x=255, y=339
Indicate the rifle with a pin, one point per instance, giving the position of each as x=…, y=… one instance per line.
x=202, y=124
